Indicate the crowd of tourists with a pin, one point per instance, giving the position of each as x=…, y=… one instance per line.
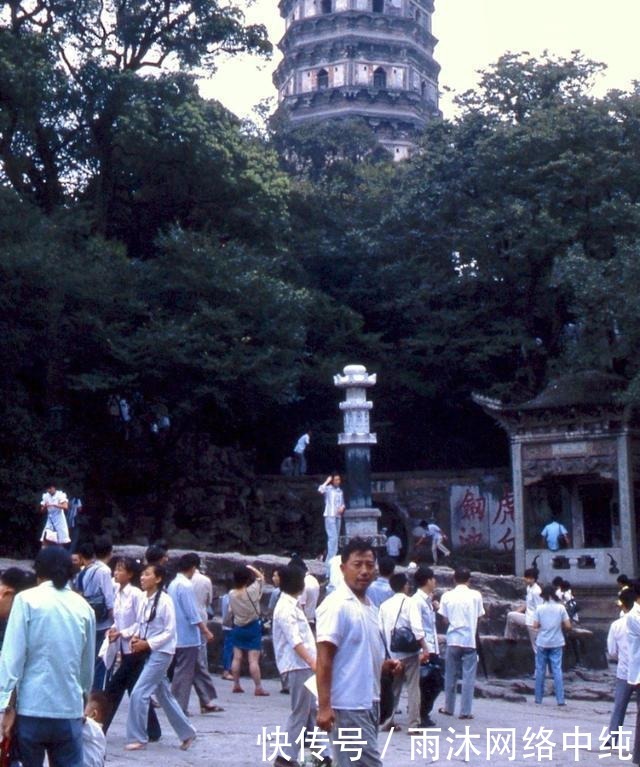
x=88, y=627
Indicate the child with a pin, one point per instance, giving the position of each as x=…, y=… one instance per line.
x=94, y=743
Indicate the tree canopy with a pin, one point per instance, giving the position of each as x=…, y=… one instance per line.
x=177, y=290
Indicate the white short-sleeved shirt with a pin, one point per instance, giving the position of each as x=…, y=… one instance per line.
x=618, y=645
x=633, y=638
x=301, y=444
x=333, y=499
x=309, y=597
x=290, y=629
x=352, y=626
x=55, y=499
x=462, y=607
x=550, y=615
x=395, y=612
x=533, y=599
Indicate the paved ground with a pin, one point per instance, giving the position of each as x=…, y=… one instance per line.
x=230, y=738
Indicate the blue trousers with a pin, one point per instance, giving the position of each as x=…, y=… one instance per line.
x=551, y=656
x=460, y=662
x=153, y=681
x=61, y=739
x=332, y=528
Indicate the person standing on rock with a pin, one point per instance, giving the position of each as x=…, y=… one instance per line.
x=524, y=615
x=54, y=503
x=299, y=458
x=333, y=510
x=549, y=619
x=351, y=657
x=461, y=608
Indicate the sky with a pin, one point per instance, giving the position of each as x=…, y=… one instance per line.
x=473, y=34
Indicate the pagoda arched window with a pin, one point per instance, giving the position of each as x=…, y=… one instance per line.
x=378, y=6
x=323, y=79
x=325, y=6
x=379, y=78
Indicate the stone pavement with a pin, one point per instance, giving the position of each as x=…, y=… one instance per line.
x=230, y=738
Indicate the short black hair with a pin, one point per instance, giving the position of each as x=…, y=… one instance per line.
x=548, y=593
x=398, y=582
x=422, y=575
x=17, y=579
x=623, y=580
x=242, y=576
x=291, y=579
x=462, y=575
x=54, y=564
x=386, y=566
x=86, y=550
x=531, y=572
x=627, y=598
x=155, y=553
x=297, y=561
x=356, y=545
x=103, y=545
x=187, y=561
x=131, y=565
x=557, y=581
x=565, y=586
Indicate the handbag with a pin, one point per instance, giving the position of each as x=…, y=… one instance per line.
x=402, y=638
x=432, y=674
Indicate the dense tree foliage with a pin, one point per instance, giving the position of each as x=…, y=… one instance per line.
x=177, y=290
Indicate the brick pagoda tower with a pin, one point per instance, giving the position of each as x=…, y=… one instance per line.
x=360, y=58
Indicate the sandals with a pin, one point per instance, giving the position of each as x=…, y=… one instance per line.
x=261, y=693
x=444, y=712
x=186, y=744
x=135, y=746
x=211, y=709
x=465, y=716
x=237, y=689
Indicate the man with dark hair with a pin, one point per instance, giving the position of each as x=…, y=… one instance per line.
x=12, y=581
x=48, y=656
x=380, y=590
x=156, y=555
x=423, y=624
x=192, y=630
x=351, y=656
x=96, y=585
x=295, y=652
x=396, y=613
x=461, y=607
x=523, y=616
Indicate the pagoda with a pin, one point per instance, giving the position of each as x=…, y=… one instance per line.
x=371, y=59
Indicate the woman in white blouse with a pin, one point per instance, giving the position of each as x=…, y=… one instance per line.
x=155, y=637
x=127, y=604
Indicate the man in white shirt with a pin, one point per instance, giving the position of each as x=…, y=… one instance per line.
x=54, y=503
x=437, y=537
x=351, y=657
x=299, y=458
x=461, y=607
x=524, y=615
x=618, y=649
x=380, y=590
x=395, y=612
x=633, y=672
x=333, y=511
x=203, y=593
x=295, y=652
x=423, y=624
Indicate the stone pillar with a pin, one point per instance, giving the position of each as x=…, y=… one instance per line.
x=518, y=506
x=361, y=519
x=627, y=507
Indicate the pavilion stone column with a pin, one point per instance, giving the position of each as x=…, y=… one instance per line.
x=626, y=505
x=518, y=505
x=361, y=519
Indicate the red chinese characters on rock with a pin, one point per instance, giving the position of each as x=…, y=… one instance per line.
x=473, y=507
x=504, y=518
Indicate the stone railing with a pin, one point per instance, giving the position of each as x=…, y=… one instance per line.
x=581, y=567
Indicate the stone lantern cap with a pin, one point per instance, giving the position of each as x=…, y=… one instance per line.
x=355, y=376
